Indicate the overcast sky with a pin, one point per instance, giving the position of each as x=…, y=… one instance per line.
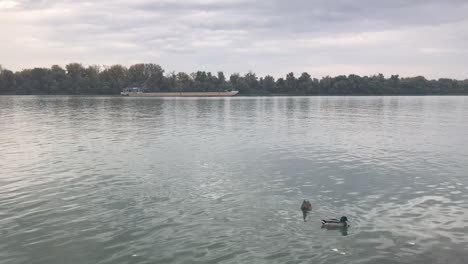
x=322, y=37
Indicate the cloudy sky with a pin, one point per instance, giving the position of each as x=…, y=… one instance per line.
x=322, y=37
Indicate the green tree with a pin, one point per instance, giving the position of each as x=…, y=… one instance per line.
x=326, y=84
x=183, y=82
x=238, y=83
x=269, y=84
x=58, y=78
x=115, y=78
x=40, y=81
x=291, y=83
x=170, y=82
x=305, y=85
x=93, y=81
x=154, y=77
x=251, y=82
x=74, y=80
x=7, y=82
x=137, y=75
x=281, y=85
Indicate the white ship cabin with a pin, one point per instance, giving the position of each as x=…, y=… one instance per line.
x=128, y=90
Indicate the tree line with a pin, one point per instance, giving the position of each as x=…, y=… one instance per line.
x=76, y=79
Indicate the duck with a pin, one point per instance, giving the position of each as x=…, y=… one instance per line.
x=306, y=206
x=335, y=223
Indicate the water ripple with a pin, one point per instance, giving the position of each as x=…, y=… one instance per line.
x=151, y=180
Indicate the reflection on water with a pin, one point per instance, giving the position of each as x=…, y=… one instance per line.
x=151, y=180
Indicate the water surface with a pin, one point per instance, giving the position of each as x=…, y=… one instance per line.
x=221, y=180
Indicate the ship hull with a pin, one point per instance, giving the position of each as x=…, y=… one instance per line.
x=181, y=94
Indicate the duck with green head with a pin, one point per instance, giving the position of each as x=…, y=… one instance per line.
x=334, y=223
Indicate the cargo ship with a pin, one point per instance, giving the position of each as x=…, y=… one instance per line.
x=140, y=92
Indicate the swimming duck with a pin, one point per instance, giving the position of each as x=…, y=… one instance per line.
x=306, y=207
x=335, y=223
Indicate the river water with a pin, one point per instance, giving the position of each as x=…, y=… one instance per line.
x=221, y=180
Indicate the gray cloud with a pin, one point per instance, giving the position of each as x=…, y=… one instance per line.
x=322, y=37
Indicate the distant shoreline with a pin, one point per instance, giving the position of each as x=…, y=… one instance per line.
x=239, y=95
x=75, y=79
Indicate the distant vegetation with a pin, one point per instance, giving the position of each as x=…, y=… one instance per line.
x=76, y=79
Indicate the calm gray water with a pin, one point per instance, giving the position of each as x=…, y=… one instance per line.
x=150, y=180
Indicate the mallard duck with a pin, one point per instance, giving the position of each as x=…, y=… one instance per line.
x=306, y=207
x=335, y=223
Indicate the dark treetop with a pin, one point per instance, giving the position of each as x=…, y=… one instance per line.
x=76, y=79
